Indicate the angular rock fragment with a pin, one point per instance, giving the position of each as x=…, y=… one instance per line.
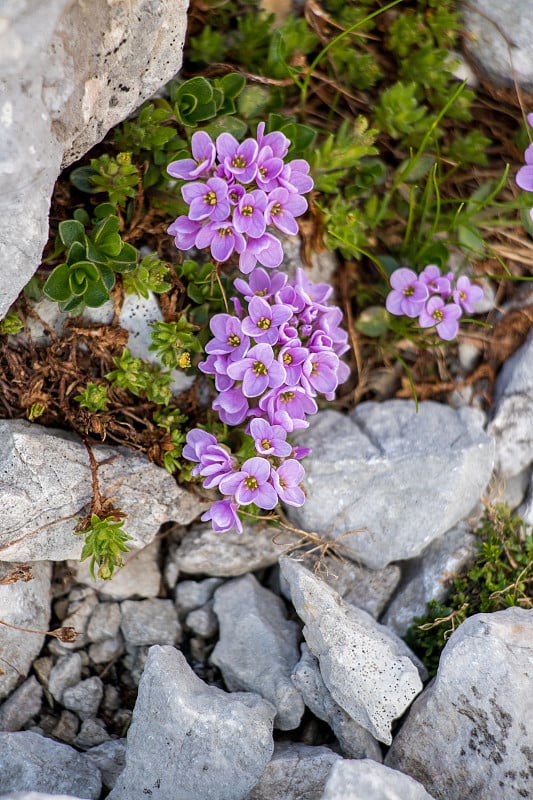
x=469, y=734
x=30, y=762
x=186, y=738
x=387, y=480
x=369, y=671
x=366, y=780
x=146, y=622
x=46, y=487
x=354, y=740
x=296, y=771
x=258, y=647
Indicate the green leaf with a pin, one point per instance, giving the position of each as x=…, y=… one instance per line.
x=108, y=276
x=373, y=321
x=96, y=294
x=57, y=286
x=231, y=84
x=231, y=125
x=70, y=231
x=77, y=252
x=253, y=101
x=80, y=178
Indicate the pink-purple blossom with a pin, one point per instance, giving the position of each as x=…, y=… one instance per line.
x=408, y=294
x=445, y=316
x=251, y=484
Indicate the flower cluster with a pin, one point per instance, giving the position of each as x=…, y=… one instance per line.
x=436, y=299
x=235, y=192
x=270, y=360
x=524, y=176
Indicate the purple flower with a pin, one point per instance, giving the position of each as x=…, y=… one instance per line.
x=185, y=231
x=229, y=338
x=524, y=176
x=251, y=484
x=269, y=439
x=238, y=159
x=268, y=169
x=295, y=177
x=261, y=284
x=436, y=284
x=197, y=441
x=249, y=215
x=203, y=151
x=215, y=463
x=286, y=479
x=232, y=406
x=258, y=371
x=288, y=406
x=321, y=372
x=207, y=200
x=223, y=516
x=282, y=208
x=267, y=250
x=264, y=320
x=316, y=293
x=277, y=141
x=444, y=316
x=222, y=238
x=466, y=294
x=408, y=295
x=292, y=355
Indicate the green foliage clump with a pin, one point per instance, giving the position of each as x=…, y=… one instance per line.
x=115, y=175
x=174, y=342
x=105, y=541
x=93, y=397
x=149, y=275
x=502, y=576
x=11, y=324
x=141, y=379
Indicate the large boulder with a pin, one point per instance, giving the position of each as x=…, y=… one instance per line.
x=69, y=71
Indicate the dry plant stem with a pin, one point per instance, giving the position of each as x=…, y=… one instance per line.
x=63, y=634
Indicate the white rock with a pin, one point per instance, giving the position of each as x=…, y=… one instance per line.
x=146, y=622
x=104, y=622
x=21, y=706
x=469, y=734
x=27, y=605
x=369, y=671
x=84, y=698
x=47, y=487
x=366, y=780
x=139, y=577
x=295, y=772
x=66, y=672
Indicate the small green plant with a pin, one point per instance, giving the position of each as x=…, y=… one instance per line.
x=149, y=275
x=174, y=342
x=172, y=421
x=93, y=398
x=105, y=542
x=115, y=175
x=141, y=379
x=11, y=324
x=502, y=576
x=87, y=275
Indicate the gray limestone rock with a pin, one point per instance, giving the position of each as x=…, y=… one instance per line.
x=258, y=647
x=106, y=651
x=194, y=594
x=84, y=698
x=469, y=734
x=369, y=671
x=511, y=422
x=46, y=486
x=104, y=622
x=70, y=71
x=81, y=606
x=366, y=780
x=65, y=673
x=497, y=40
x=188, y=739
x=67, y=727
x=203, y=621
x=37, y=796
x=27, y=605
x=153, y=621
x=91, y=734
x=369, y=589
x=428, y=577
x=385, y=480
x=24, y=703
x=295, y=772
x=110, y=758
x=200, y=553
x=30, y=762
x=354, y=740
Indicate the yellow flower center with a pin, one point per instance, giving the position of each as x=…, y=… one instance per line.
x=287, y=358
x=222, y=232
x=264, y=323
x=234, y=340
x=266, y=444
x=247, y=211
x=286, y=397
x=251, y=483
x=276, y=209
x=263, y=172
x=438, y=314
x=210, y=199
x=314, y=368
x=409, y=291
x=259, y=368
x=239, y=162
x=184, y=361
